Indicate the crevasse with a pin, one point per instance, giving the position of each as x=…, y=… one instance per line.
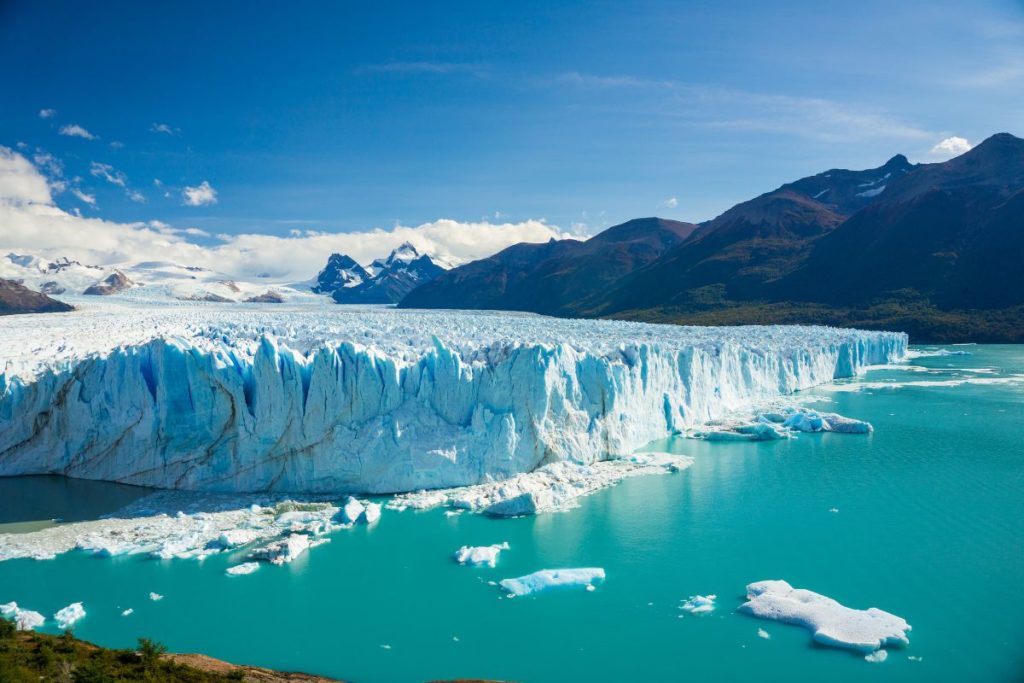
x=200, y=410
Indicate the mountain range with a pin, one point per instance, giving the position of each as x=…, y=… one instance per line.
x=385, y=281
x=931, y=249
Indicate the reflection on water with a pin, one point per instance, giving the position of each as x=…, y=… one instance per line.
x=32, y=503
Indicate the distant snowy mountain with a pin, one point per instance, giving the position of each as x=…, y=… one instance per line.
x=148, y=280
x=385, y=281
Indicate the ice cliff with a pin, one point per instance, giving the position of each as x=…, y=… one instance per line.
x=300, y=399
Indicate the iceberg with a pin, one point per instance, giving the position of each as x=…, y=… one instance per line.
x=24, y=620
x=547, y=579
x=284, y=550
x=699, y=604
x=155, y=597
x=376, y=401
x=242, y=569
x=66, y=617
x=481, y=554
x=830, y=622
x=779, y=423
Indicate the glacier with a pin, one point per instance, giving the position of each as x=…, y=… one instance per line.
x=295, y=398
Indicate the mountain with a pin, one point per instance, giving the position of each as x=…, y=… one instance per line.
x=549, y=278
x=17, y=298
x=931, y=249
x=386, y=281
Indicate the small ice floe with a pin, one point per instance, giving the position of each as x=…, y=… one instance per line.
x=385, y=647
x=453, y=513
x=242, y=569
x=553, y=487
x=779, y=423
x=128, y=612
x=761, y=633
x=876, y=657
x=155, y=596
x=66, y=617
x=829, y=622
x=357, y=512
x=914, y=658
x=699, y=604
x=481, y=554
x=24, y=619
x=282, y=551
x=546, y=579
x=833, y=509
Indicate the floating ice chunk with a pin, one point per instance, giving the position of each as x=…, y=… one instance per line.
x=155, y=596
x=876, y=657
x=779, y=423
x=806, y=420
x=24, y=620
x=699, y=604
x=546, y=579
x=761, y=633
x=914, y=658
x=284, y=550
x=233, y=538
x=833, y=509
x=481, y=554
x=830, y=622
x=242, y=569
x=66, y=617
x=127, y=612
x=371, y=513
x=352, y=511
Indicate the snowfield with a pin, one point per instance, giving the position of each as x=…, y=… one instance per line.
x=316, y=399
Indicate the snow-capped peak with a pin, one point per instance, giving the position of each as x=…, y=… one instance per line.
x=405, y=252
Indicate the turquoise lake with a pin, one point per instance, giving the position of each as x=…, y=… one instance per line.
x=930, y=526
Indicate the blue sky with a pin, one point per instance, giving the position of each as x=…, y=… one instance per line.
x=342, y=117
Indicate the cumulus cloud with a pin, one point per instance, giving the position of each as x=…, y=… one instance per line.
x=75, y=131
x=47, y=113
x=951, y=147
x=163, y=128
x=33, y=223
x=108, y=173
x=669, y=203
x=200, y=195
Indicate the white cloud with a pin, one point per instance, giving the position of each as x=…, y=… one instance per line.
x=163, y=128
x=75, y=131
x=435, y=68
x=669, y=203
x=136, y=196
x=34, y=224
x=200, y=195
x=108, y=173
x=47, y=113
x=951, y=147
x=87, y=198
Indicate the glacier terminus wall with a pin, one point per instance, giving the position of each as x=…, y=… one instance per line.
x=231, y=398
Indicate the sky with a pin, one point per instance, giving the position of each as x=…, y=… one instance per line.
x=236, y=125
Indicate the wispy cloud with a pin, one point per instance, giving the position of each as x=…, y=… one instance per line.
x=73, y=130
x=436, y=68
x=200, y=195
x=89, y=199
x=669, y=203
x=136, y=196
x=47, y=113
x=108, y=173
x=164, y=128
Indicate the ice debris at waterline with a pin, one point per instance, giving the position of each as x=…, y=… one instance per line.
x=779, y=423
x=546, y=579
x=376, y=400
x=175, y=524
x=699, y=604
x=67, y=617
x=242, y=569
x=481, y=554
x=24, y=620
x=830, y=622
x=549, y=488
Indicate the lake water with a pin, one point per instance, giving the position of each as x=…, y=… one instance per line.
x=930, y=526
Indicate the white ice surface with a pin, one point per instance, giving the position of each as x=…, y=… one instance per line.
x=480, y=554
x=307, y=399
x=242, y=569
x=547, y=579
x=830, y=622
x=67, y=616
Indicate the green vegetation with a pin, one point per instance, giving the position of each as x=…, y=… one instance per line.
x=30, y=656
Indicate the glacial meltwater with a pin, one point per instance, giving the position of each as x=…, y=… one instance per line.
x=923, y=518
